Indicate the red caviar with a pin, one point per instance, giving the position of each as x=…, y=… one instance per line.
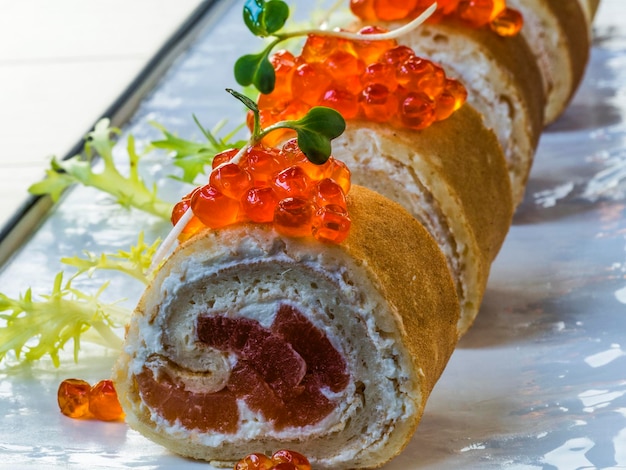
x=268, y=185
x=374, y=80
x=280, y=460
x=73, y=398
x=495, y=14
x=507, y=23
x=103, y=402
x=78, y=399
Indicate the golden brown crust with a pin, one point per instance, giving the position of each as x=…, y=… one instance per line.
x=413, y=276
x=503, y=81
x=576, y=31
x=470, y=161
x=594, y=5
x=453, y=178
x=514, y=55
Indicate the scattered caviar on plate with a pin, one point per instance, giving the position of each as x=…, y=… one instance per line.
x=377, y=80
x=280, y=460
x=494, y=14
x=272, y=185
x=78, y=399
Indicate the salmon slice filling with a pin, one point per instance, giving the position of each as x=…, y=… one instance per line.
x=284, y=372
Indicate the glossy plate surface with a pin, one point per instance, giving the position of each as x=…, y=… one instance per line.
x=538, y=383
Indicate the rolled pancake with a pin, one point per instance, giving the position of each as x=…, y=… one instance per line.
x=249, y=341
x=503, y=81
x=453, y=178
x=559, y=34
x=590, y=8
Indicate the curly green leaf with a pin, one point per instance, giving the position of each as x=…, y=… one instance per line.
x=129, y=191
x=36, y=328
x=135, y=262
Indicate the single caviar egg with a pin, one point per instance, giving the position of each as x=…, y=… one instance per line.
x=255, y=461
x=326, y=192
x=390, y=10
x=73, y=398
x=508, y=23
x=397, y=55
x=364, y=9
x=417, y=111
x=331, y=223
x=290, y=456
x=380, y=73
x=345, y=68
x=451, y=98
x=340, y=173
x=213, y=208
x=261, y=164
x=230, y=179
x=293, y=217
x=342, y=101
x=223, y=157
x=378, y=103
x=292, y=181
x=103, y=402
x=284, y=64
x=258, y=204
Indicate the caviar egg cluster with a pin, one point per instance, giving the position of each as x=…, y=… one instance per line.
x=377, y=80
x=495, y=14
x=270, y=185
x=280, y=460
x=78, y=399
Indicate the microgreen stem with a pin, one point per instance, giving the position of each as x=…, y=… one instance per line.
x=393, y=34
x=169, y=241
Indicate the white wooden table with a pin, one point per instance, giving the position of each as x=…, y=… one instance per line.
x=62, y=63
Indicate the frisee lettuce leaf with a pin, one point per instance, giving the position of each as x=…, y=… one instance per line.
x=129, y=191
x=35, y=328
x=193, y=157
x=135, y=262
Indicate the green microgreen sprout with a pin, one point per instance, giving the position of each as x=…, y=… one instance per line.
x=267, y=19
x=314, y=131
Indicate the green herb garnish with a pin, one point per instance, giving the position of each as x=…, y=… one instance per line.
x=135, y=262
x=267, y=19
x=35, y=328
x=194, y=157
x=129, y=191
x=263, y=19
x=315, y=130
